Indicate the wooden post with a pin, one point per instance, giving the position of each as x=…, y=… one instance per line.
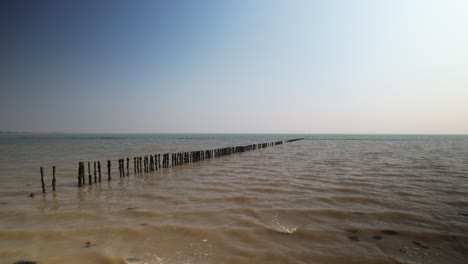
x=53, y=178
x=83, y=178
x=99, y=170
x=155, y=162
x=79, y=174
x=128, y=167
x=42, y=180
x=122, y=164
x=89, y=174
x=134, y=165
x=138, y=164
x=95, y=173
x=109, y=170
x=120, y=168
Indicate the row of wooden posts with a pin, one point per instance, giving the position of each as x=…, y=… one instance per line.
x=150, y=163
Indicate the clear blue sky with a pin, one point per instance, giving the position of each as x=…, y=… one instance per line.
x=234, y=66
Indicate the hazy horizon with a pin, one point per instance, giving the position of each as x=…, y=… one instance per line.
x=224, y=133
x=279, y=67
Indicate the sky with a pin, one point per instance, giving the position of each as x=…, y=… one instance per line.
x=349, y=66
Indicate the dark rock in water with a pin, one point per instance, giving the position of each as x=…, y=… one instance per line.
x=464, y=214
x=454, y=238
x=143, y=224
x=402, y=250
x=421, y=245
x=89, y=244
x=31, y=195
x=424, y=246
x=353, y=231
x=358, y=213
x=25, y=262
x=353, y=238
x=389, y=232
x=133, y=208
x=377, y=237
x=133, y=260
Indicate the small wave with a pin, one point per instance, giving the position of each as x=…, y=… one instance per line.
x=358, y=200
x=286, y=230
x=281, y=228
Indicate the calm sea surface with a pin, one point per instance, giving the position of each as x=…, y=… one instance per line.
x=325, y=199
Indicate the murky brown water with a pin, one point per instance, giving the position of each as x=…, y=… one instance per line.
x=333, y=199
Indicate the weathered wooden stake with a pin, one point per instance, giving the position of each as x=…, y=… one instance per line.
x=155, y=162
x=95, y=172
x=90, y=182
x=120, y=168
x=42, y=180
x=134, y=165
x=109, y=170
x=120, y=171
x=128, y=165
x=141, y=165
x=99, y=170
x=83, y=178
x=53, y=178
x=79, y=174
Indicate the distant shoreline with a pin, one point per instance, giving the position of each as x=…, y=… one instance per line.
x=15, y=132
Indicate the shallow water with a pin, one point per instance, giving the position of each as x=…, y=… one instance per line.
x=326, y=199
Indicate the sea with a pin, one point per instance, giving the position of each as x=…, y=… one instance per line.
x=324, y=199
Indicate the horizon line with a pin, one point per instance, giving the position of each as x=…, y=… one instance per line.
x=234, y=133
